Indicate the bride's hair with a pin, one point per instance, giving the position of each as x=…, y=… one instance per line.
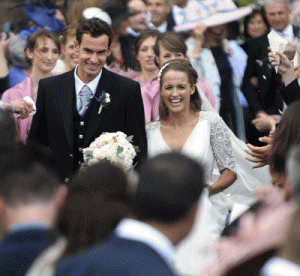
x=180, y=65
x=286, y=136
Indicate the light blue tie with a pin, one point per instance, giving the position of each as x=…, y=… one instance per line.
x=86, y=95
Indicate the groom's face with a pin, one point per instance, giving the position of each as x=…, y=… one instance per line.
x=92, y=55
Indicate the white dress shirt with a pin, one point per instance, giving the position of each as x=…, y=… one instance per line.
x=287, y=33
x=79, y=84
x=162, y=28
x=178, y=14
x=131, y=32
x=30, y=225
x=138, y=231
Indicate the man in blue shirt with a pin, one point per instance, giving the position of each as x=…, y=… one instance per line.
x=30, y=198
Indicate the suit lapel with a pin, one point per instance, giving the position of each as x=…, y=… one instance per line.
x=268, y=67
x=170, y=21
x=66, y=106
x=95, y=118
x=296, y=32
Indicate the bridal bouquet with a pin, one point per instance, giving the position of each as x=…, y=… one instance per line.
x=115, y=147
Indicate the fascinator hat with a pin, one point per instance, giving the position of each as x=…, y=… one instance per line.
x=43, y=16
x=211, y=13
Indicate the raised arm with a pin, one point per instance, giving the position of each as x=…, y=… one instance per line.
x=198, y=33
x=291, y=91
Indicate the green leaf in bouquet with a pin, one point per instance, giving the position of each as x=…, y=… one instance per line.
x=133, y=167
x=129, y=138
x=88, y=153
x=120, y=152
x=136, y=148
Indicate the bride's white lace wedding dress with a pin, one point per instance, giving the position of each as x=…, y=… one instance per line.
x=210, y=143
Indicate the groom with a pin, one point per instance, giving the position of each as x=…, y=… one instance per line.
x=75, y=108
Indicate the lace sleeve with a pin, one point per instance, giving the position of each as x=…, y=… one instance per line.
x=221, y=143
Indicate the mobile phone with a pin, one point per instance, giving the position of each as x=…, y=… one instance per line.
x=7, y=27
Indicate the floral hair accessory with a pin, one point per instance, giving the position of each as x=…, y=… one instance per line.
x=161, y=71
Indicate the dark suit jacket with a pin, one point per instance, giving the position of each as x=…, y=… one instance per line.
x=170, y=21
x=19, y=249
x=266, y=96
x=171, y=24
x=116, y=256
x=291, y=92
x=126, y=47
x=53, y=126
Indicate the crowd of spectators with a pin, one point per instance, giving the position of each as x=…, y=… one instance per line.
x=106, y=221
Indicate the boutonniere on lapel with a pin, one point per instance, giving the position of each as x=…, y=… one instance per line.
x=104, y=100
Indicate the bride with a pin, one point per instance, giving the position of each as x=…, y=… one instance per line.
x=203, y=136
x=183, y=127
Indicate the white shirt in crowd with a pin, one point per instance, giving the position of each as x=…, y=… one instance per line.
x=138, y=231
x=287, y=33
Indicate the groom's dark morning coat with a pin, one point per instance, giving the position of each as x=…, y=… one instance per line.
x=56, y=123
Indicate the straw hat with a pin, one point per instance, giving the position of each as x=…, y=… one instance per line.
x=211, y=13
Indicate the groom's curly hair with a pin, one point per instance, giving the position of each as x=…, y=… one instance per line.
x=95, y=27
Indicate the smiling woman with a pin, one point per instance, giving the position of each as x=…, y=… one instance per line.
x=201, y=135
x=143, y=51
x=178, y=94
x=69, y=57
x=42, y=51
x=168, y=46
x=255, y=25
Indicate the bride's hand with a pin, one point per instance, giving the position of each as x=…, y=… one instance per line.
x=226, y=179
